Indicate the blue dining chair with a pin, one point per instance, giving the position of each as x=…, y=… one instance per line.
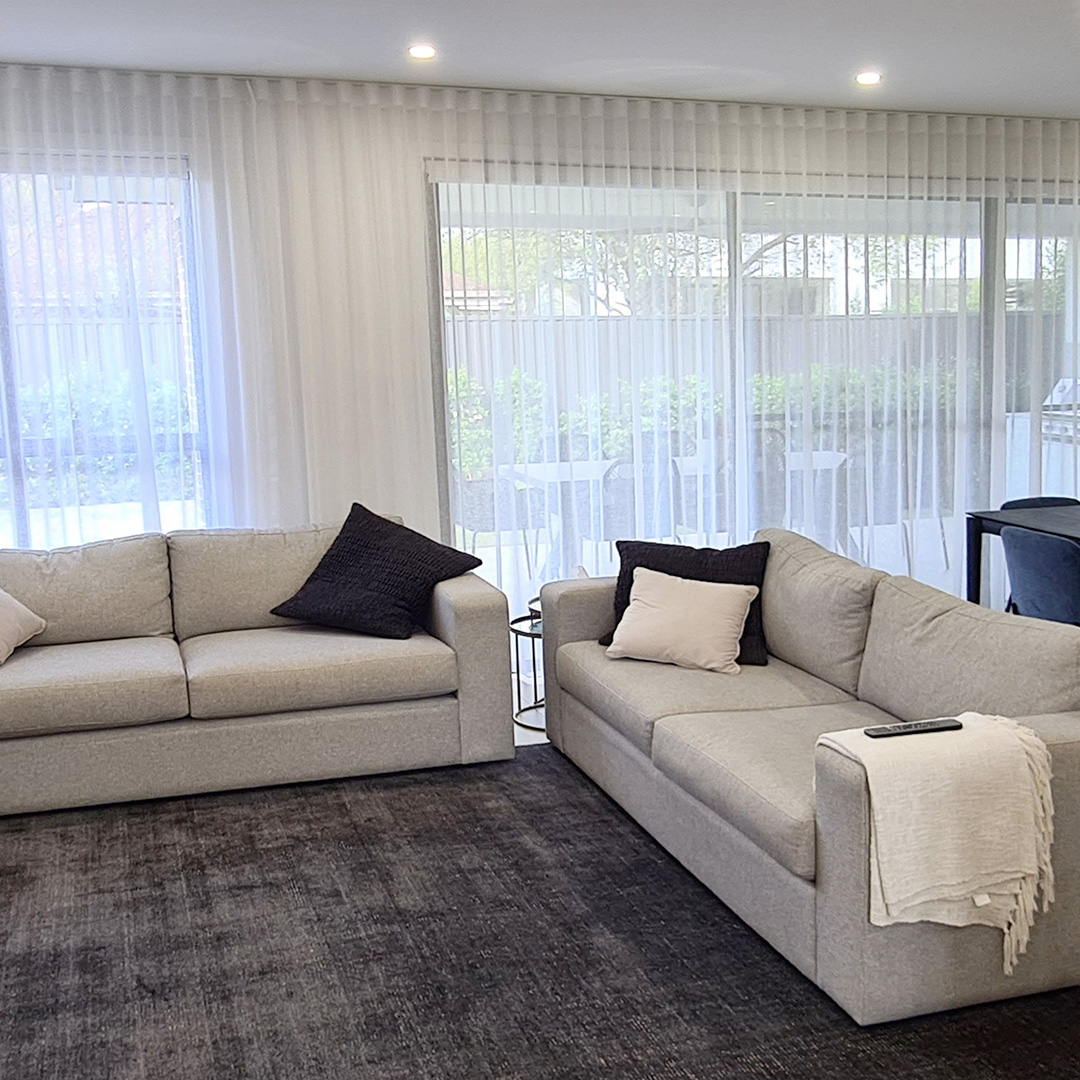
x=1036, y=502
x=1044, y=572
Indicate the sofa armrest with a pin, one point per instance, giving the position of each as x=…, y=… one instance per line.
x=581, y=609
x=471, y=617
x=880, y=973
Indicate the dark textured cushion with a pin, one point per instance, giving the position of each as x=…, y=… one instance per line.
x=376, y=578
x=743, y=565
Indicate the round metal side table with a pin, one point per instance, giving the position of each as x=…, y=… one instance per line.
x=527, y=628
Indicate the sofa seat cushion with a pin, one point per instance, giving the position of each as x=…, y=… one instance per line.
x=756, y=769
x=91, y=684
x=286, y=668
x=632, y=695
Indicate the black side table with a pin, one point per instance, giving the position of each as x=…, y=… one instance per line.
x=531, y=628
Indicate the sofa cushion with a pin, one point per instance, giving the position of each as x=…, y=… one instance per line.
x=930, y=654
x=229, y=579
x=743, y=565
x=286, y=668
x=18, y=624
x=756, y=769
x=91, y=684
x=632, y=695
x=816, y=607
x=376, y=578
x=695, y=624
x=111, y=589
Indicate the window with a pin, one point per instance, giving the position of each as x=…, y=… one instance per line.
x=692, y=365
x=101, y=430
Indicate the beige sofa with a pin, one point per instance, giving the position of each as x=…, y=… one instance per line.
x=162, y=672
x=722, y=769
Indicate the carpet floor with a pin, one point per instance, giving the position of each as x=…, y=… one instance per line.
x=492, y=921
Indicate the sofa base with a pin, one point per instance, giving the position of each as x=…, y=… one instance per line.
x=876, y=974
x=766, y=896
x=187, y=757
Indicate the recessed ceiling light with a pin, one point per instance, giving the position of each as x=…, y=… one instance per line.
x=868, y=78
x=422, y=52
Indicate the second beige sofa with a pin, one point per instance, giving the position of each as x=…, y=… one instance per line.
x=162, y=672
x=723, y=770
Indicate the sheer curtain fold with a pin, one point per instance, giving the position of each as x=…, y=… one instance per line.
x=224, y=297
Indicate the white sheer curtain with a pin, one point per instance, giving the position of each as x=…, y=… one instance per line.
x=216, y=304
x=706, y=319
x=538, y=323
x=100, y=380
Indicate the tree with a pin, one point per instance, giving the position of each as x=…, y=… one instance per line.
x=574, y=271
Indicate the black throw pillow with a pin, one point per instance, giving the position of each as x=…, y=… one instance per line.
x=743, y=565
x=376, y=578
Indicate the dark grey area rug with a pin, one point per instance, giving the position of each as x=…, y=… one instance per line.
x=502, y=920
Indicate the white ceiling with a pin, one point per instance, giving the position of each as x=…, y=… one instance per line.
x=1017, y=57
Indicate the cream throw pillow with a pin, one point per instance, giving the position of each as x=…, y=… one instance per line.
x=674, y=620
x=18, y=624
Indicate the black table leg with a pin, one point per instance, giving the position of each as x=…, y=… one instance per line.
x=974, y=559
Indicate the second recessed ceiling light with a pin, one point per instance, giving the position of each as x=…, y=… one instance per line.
x=868, y=78
x=422, y=51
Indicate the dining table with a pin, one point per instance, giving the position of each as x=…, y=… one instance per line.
x=1055, y=520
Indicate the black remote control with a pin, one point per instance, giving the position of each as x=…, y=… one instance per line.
x=914, y=727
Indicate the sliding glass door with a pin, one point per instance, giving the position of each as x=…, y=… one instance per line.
x=588, y=363
x=692, y=365
x=862, y=334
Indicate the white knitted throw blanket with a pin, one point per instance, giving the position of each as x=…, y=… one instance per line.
x=961, y=824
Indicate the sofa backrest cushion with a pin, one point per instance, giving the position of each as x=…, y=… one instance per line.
x=816, y=607
x=96, y=592
x=932, y=654
x=229, y=579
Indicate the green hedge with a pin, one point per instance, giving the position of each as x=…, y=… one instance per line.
x=842, y=405
x=80, y=432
